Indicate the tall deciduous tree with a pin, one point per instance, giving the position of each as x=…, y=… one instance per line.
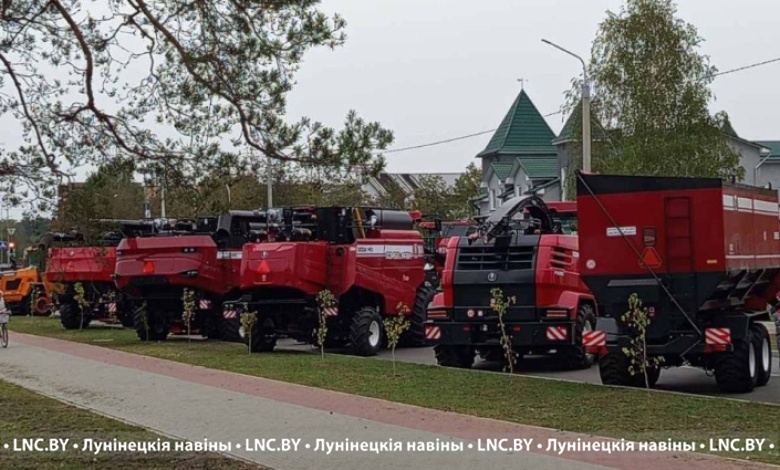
x=464, y=192
x=108, y=193
x=166, y=83
x=651, y=114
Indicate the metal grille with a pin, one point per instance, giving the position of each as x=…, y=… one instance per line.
x=477, y=258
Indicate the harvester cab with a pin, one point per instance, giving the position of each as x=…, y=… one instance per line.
x=347, y=266
x=520, y=255
x=181, y=272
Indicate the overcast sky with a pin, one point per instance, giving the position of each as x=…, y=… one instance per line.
x=436, y=69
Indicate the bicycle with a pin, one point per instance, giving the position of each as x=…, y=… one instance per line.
x=4, y=316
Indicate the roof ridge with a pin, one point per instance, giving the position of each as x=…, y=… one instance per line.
x=523, y=127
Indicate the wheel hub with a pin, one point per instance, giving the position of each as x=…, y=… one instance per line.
x=373, y=334
x=752, y=361
x=766, y=355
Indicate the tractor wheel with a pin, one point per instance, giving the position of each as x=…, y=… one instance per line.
x=230, y=330
x=414, y=337
x=763, y=352
x=212, y=324
x=42, y=307
x=25, y=309
x=614, y=370
x=147, y=328
x=574, y=356
x=365, y=335
x=737, y=371
x=70, y=316
x=461, y=357
x=263, y=338
x=125, y=314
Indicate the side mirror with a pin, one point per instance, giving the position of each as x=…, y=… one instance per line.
x=437, y=224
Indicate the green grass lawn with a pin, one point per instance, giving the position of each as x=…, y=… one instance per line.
x=25, y=414
x=614, y=412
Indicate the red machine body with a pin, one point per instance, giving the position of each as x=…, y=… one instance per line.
x=74, y=264
x=187, y=262
x=370, y=269
x=537, y=268
x=703, y=255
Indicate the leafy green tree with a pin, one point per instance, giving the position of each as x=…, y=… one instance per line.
x=651, y=113
x=394, y=197
x=432, y=197
x=466, y=188
x=108, y=193
x=209, y=78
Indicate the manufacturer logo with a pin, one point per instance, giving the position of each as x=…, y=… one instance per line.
x=492, y=277
x=265, y=254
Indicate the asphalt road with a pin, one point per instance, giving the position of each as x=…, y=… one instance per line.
x=677, y=379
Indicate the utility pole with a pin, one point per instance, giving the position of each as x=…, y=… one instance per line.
x=162, y=196
x=269, y=182
x=586, y=138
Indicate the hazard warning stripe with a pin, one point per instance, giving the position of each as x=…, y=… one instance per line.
x=557, y=333
x=205, y=304
x=432, y=332
x=229, y=314
x=331, y=312
x=717, y=335
x=594, y=338
x=111, y=307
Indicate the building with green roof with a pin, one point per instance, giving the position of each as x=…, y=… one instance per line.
x=524, y=156
x=519, y=156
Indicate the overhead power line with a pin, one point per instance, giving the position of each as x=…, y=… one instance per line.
x=468, y=136
x=739, y=69
x=453, y=139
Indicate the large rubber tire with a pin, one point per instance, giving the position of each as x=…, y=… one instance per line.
x=230, y=330
x=763, y=351
x=614, y=370
x=461, y=357
x=24, y=307
x=71, y=317
x=737, y=371
x=414, y=337
x=212, y=324
x=263, y=338
x=148, y=329
x=575, y=357
x=125, y=315
x=366, y=332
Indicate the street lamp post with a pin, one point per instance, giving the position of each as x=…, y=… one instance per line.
x=586, y=139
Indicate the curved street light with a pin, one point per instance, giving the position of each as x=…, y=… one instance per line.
x=586, y=139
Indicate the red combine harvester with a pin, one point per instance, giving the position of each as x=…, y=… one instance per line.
x=371, y=260
x=201, y=255
x=522, y=250
x=72, y=263
x=703, y=255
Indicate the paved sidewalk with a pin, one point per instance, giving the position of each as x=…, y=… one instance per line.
x=195, y=403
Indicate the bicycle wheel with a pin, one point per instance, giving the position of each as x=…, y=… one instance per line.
x=4, y=335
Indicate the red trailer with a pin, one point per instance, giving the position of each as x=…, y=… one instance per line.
x=703, y=255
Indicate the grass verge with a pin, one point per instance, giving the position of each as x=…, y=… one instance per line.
x=27, y=415
x=604, y=411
